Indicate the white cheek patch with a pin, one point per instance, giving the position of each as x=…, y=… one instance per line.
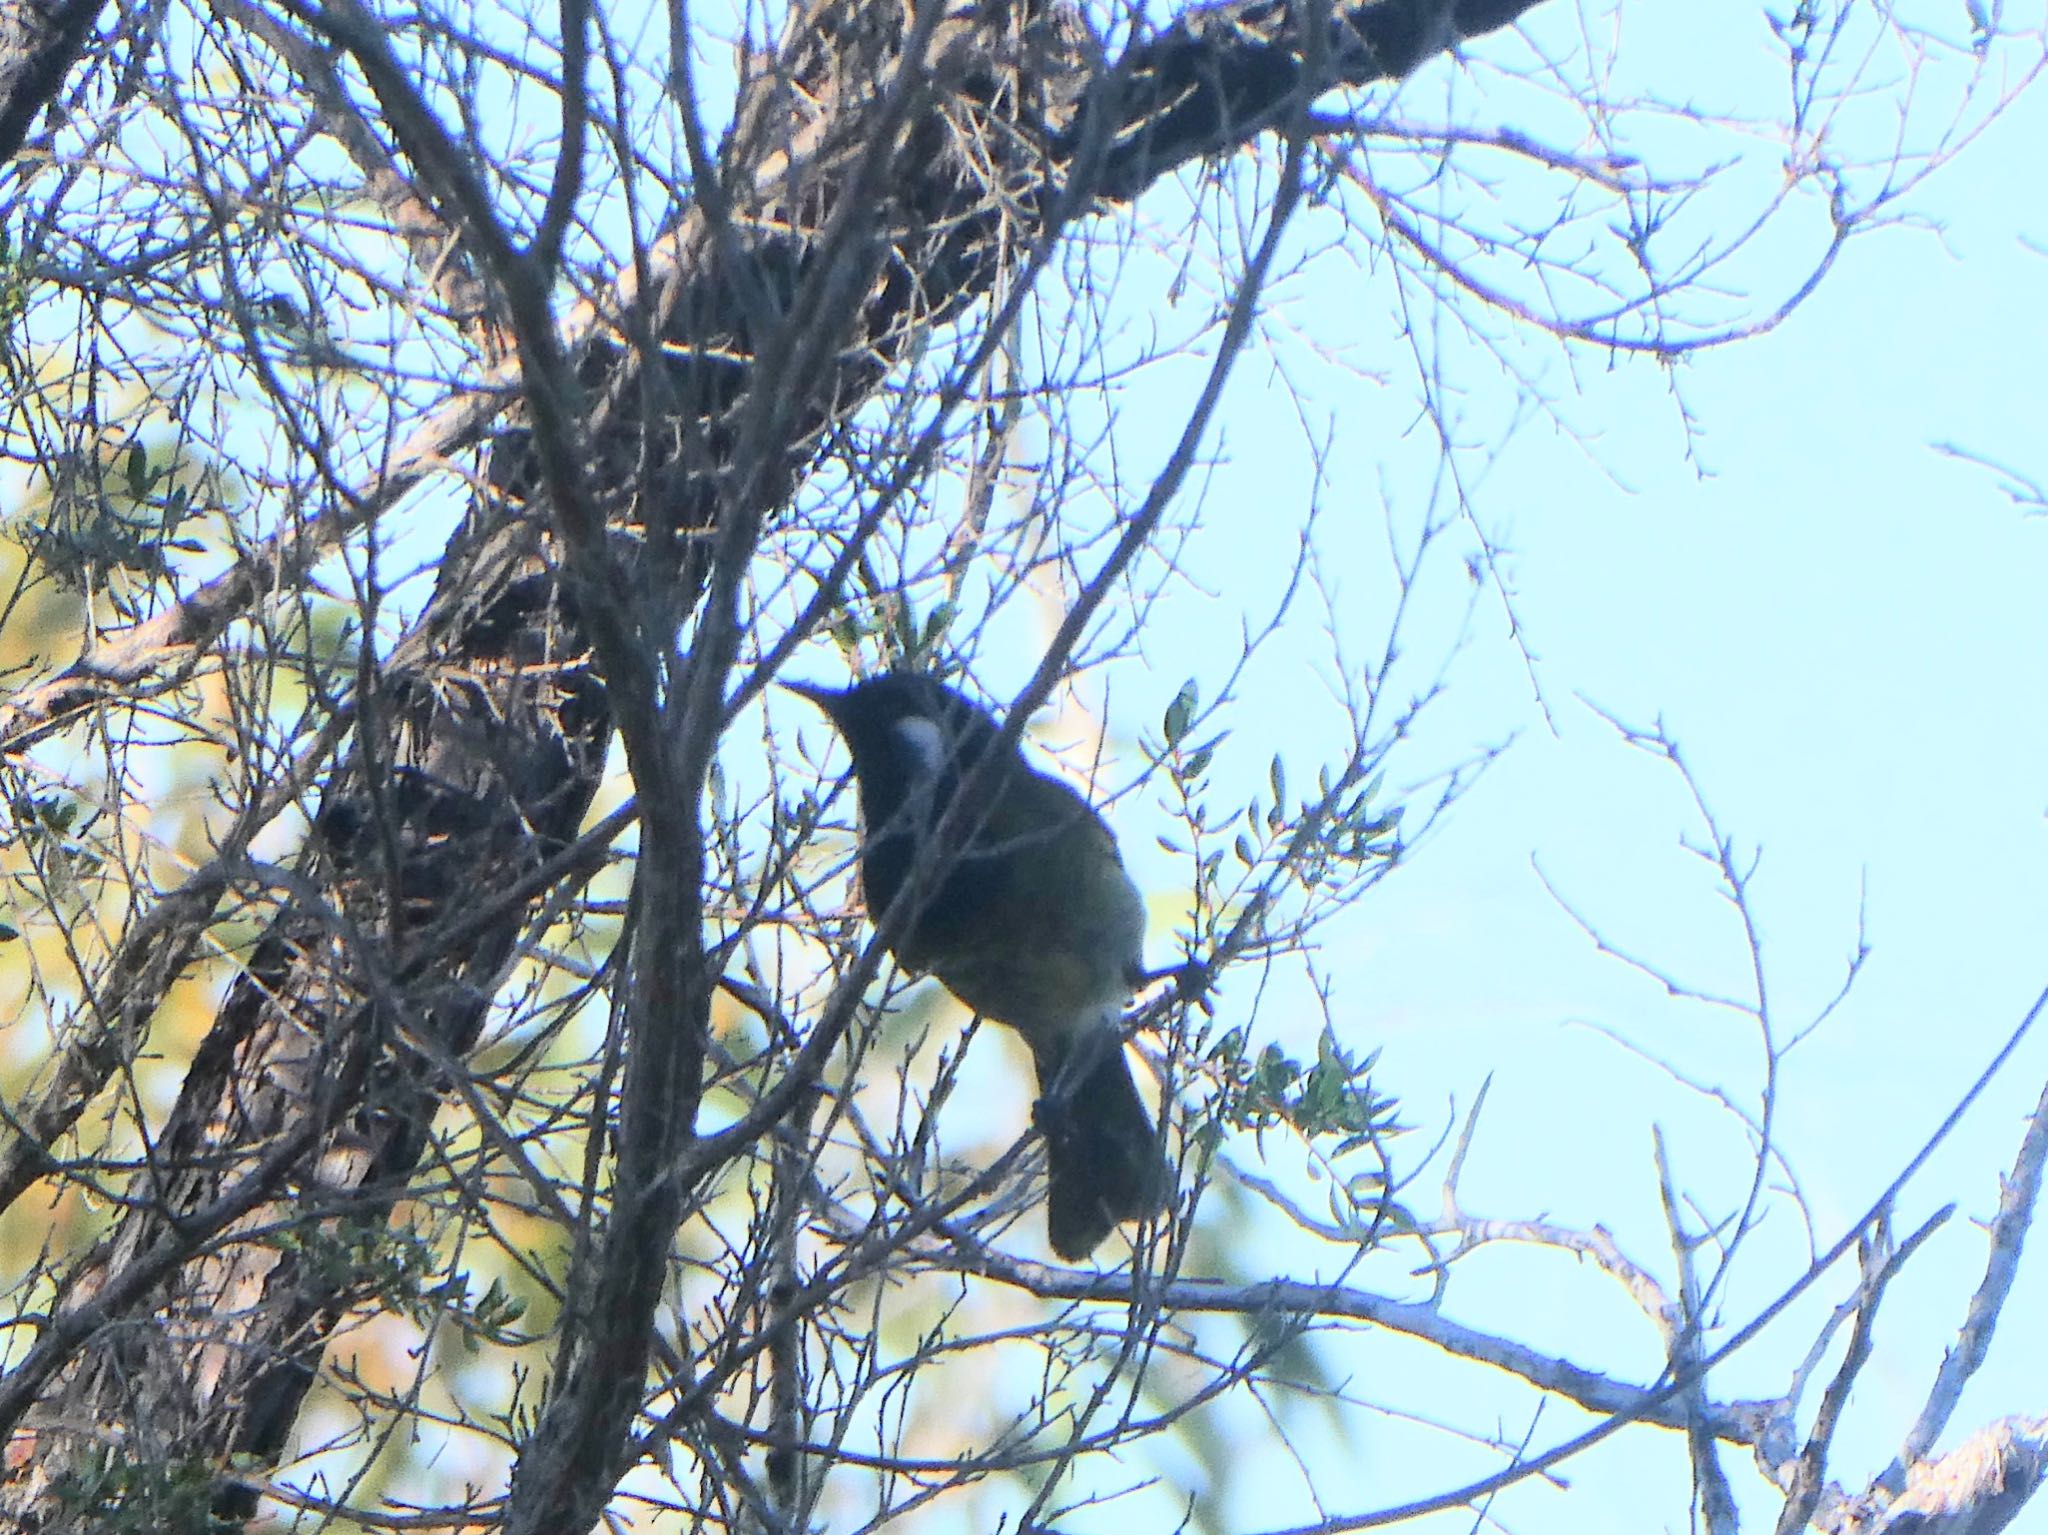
x=925, y=742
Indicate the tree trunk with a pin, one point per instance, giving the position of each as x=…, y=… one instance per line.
x=864, y=197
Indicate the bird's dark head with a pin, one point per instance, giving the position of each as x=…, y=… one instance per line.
x=904, y=728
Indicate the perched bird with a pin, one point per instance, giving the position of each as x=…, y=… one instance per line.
x=1033, y=922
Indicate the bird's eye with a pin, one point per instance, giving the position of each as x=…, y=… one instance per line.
x=925, y=742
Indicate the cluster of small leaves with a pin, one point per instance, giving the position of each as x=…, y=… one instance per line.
x=489, y=1319
x=1332, y=1098
x=50, y=822
x=50, y=815
x=1355, y=832
x=114, y=1495
x=395, y=1266
x=908, y=642
x=1351, y=830
x=102, y=518
x=365, y=1258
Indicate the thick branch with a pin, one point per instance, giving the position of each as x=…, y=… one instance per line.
x=1222, y=74
x=2018, y=1198
x=1213, y=81
x=39, y=42
x=1730, y=1422
x=1979, y=1488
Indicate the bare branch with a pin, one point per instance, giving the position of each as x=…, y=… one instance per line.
x=2018, y=1197
x=1879, y=1262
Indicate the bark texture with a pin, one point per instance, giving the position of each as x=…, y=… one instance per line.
x=885, y=173
x=39, y=42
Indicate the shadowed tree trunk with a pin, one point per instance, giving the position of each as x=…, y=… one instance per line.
x=39, y=43
x=882, y=176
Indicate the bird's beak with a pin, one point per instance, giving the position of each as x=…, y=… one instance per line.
x=825, y=698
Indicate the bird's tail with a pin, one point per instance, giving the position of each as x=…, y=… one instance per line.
x=1105, y=1163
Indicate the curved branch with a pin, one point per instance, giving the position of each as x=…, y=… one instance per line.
x=2019, y=1195
x=1732, y=1422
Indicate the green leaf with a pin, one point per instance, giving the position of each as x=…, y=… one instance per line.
x=1180, y=714
x=1229, y=1049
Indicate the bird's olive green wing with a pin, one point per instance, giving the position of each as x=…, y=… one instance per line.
x=1037, y=925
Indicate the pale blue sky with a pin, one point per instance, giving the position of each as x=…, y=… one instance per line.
x=1844, y=628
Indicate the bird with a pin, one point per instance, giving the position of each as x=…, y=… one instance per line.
x=1033, y=923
